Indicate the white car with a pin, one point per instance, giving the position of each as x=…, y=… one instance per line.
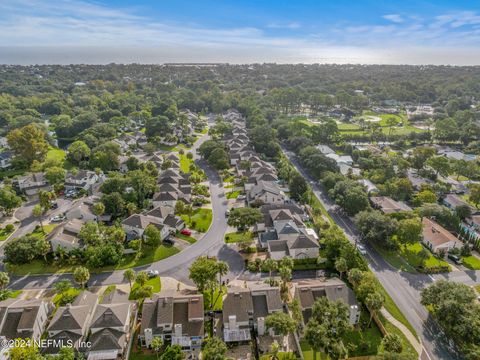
x=57, y=218
x=361, y=250
x=241, y=197
x=152, y=273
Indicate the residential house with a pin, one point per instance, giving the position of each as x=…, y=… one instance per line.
x=168, y=218
x=325, y=149
x=245, y=310
x=110, y=327
x=452, y=201
x=300, y=247
x=175, y=317
x=25, y=319
x=387, y=205
x=369, y=186
x=266, y=193
x=5, y=159
x=135, y=225
x=308, y=291
x=437, y=238
x=416, y=180
x=82, y=180
x=70, y=324
x=32, y=184
x=65, y=236
x=84, y=211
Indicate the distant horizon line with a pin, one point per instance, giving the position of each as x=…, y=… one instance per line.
x=191, y=64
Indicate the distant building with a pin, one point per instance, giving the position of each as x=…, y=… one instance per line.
x=387, y=205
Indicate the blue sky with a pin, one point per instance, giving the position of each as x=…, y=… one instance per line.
x=439, y=32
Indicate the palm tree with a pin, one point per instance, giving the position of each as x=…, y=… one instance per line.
x=270, y=265
x=341, y=266
x=374, y=302
x=38, y=213
x=129, y=275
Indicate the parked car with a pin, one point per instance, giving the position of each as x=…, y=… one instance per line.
x=241, y=197
x=169, y=241
x=152, y=273
x=53, y=205
x=57, y=218
x=361, y=250
x=455, y=259
x=186, y=232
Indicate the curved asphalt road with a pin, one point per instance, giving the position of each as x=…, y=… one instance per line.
x=176, y=266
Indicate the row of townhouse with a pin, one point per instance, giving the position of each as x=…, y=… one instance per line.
x=173, y=185
x=178, y=317
x=282, y=231
x=98, y=329
x=128, y=142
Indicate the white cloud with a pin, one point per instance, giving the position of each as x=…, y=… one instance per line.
x=79, y=24
x=396, y=18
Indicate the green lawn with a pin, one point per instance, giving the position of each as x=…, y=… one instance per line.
x=234, y=237
x=366, y=341
x=47, y=229
x=72, y=292
x=407, y=259
x=308, y=352
x=280, y=356
x=190, y=239
x=407, y=347
x=185, y=163
x=55, y=154
x=471, y=262
x=218, y=298
x=233, y=194
x=4, y=234
x=150, y=255
x=153, y=282
x=411, y=255
x=200, y=220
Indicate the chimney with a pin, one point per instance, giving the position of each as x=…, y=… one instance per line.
x=148, y=337
x=232, y=322
x=261, y=326
x=178, y=330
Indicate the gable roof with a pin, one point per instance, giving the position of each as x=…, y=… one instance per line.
x=436, y=234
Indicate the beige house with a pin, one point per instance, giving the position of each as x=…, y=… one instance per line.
x=437, y=238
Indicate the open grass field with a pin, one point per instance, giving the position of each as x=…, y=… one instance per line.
x=200, y=220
